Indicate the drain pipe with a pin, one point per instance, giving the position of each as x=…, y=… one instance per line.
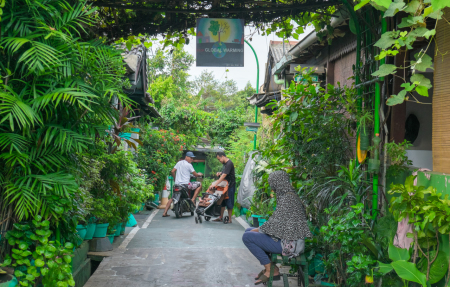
x=257, y=89
x=376, y=128
x=277, y=80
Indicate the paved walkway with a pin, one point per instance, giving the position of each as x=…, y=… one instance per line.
x=178, y=252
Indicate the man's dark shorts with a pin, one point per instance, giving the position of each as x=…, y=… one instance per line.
x=229, y=203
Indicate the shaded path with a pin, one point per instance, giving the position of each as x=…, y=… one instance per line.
x=178, y=252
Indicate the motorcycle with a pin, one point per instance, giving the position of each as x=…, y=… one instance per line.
x=182, y=200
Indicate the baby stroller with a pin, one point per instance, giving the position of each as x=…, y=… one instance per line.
x=210, y=200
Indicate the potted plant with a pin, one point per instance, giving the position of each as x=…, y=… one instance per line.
x=102, y=215
x=261, y=212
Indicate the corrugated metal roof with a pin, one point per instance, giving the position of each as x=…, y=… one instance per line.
x=276, y=49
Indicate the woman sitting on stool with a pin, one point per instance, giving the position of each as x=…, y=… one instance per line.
x=285, y=231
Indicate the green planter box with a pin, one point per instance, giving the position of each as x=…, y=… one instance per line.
x=101, y=230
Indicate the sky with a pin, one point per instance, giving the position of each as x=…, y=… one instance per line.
x=242, y=75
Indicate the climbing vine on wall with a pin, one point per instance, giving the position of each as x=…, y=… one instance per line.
x=411, y=28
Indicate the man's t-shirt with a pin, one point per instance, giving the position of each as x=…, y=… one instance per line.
x=184, y=170
x=228, y=169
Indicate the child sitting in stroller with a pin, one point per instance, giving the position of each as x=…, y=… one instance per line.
x=213, y=197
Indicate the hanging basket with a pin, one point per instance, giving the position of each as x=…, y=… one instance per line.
x=374, y=165
x=365, y=139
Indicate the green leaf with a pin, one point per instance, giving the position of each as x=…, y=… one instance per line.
x=394, y=8
x=422, y=63
x=385, y=70
x=386, y=40
x=68, y=245
x=67, y=259
x=408, y=271
x=39, y=263
x=44, y=271
x=412, y=7
x=18, y=273
x=361, y=4
x=396, y=253
x=440, y=4
x=71, y=282
x=383, y=3
x=420, y=80
x=293, y=116
x=23, y=245
x=29, y=277
x=438, y=269
x=129, y=45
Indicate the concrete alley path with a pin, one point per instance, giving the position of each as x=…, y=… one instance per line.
x=177, y=252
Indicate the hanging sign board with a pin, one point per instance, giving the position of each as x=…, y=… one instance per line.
x=220, y=42
x=298, y=78
x=251, y=129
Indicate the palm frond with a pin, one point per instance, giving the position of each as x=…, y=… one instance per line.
x=65, y=139
x=13, y=142
x=17, y=112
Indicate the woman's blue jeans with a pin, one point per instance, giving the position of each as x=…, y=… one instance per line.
x=261, y=245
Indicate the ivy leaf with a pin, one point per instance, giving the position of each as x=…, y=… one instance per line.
x=383, y=3
x=386, y=40
x=412, y=7
x=420, y=80
x=439, y=4
x=394, y=8
x=436, y=14
x=385, y=70
x=423, y=84
x=361, y=4
x=396, y=99
x=408, y=87
x=44, y=271
x=406, y=22
x=423, y=63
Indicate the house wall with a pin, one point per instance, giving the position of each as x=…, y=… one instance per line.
x=343, y=69
x=441, y=104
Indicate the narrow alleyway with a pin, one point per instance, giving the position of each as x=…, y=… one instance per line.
x=178, y=252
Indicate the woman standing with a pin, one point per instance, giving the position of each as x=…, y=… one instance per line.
x=284, y=232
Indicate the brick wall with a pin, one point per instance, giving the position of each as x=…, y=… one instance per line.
x=343, y=69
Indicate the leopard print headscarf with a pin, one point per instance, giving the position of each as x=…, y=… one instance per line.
x=288, y=222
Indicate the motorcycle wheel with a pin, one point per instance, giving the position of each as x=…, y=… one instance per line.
x=207, y=218
x=225, y=219
x=200, y=219
x=196, y=220
x=177, y=209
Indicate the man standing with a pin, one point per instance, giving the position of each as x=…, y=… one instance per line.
x=229, y=175
x=182, y=175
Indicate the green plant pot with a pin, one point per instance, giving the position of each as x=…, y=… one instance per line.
x=81, y=230
x=131, y=221
x=365, y=140
x=136, y=211
x=122, y=229
x=101, y=230
x=261, y=221
x=256, y=220
x=142, y=206
x=111, y=238
x=118, y=229
x=374, y=165
x=243, y=211
x=12, y=281
x=90, y=231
